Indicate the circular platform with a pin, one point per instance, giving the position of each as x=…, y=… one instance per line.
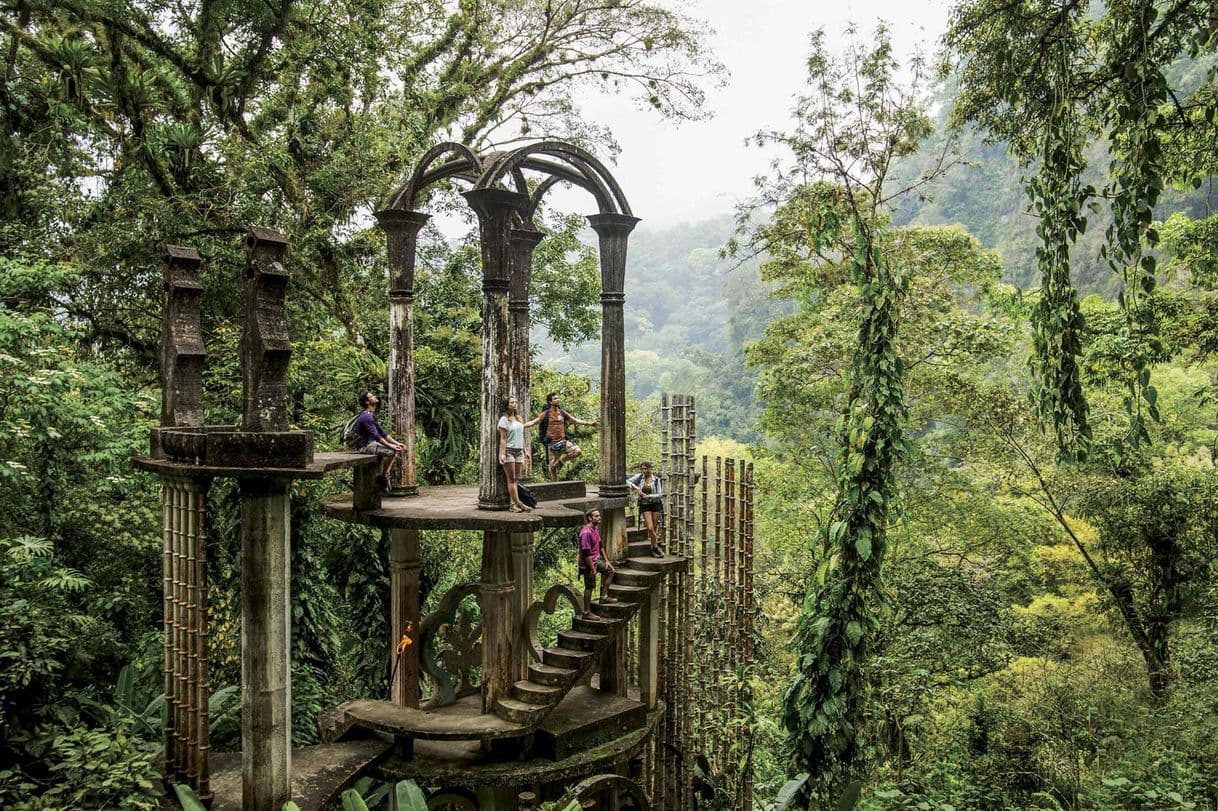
x=455, y=507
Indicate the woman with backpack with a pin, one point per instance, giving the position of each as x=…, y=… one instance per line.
x=512, y=453
x=651, y=504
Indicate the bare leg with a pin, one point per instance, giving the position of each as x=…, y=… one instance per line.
x=606, y=582
x=509, y=470
x=587, y=600
x=649, y=519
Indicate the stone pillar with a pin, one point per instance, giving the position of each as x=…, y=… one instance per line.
x=182, y=351
x=404, y=565
x=265, y=348
x=613, y=664
x=495, y=209
x=522, y=598
x=613, y=231
x=523, y=242
x=402, y=232
x=266, y=692
x=649, y=647
x=496, y=599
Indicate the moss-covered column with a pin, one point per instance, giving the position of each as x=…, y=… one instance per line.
x=613, y=231
x=402, y=233
x=266, y=693
x=496, y=596
x=496, y=209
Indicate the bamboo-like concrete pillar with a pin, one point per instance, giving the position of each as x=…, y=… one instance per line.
x=184, y=505
x=495, y=209
x=404, y=565
x=402, y=233
x=496, y=597
x=266, y=692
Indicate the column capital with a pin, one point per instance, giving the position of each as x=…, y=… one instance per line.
x=399, y=219
x=492, y=203
x=611, y=224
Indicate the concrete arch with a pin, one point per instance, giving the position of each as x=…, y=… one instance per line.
x=595, y=176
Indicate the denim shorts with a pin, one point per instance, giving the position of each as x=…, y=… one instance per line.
x=514, y=454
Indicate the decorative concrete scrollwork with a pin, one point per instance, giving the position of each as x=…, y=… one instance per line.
x=453, y=667
x=626, y=789
x=549, y=604
x=453, y=799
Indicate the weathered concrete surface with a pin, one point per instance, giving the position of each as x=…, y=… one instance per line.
x=463, y=720
x=319, y=773
x=266, y=636
x=456, y=507
x=322, y=464
x=466, y=763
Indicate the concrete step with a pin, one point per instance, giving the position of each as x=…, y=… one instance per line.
x=636, y=534
x=518, y=712
x=579, y=640
x=638, y=548
x=530, y=692
x=617, y=611
x=636, y=577
x=648, y=563
x=551, y=676
x=596, y=625
x=628, y=594
x=564, y=657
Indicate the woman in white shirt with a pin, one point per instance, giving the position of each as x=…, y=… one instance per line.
x=512, y=452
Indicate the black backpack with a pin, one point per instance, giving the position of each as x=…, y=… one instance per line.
x=349, y=437
x=526, y=496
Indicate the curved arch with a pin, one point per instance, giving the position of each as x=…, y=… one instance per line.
x=408, y=192
x=609, y=194
x=535, y=198
x=588, y=789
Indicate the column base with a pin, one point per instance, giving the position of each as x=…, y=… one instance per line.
x=405, y=491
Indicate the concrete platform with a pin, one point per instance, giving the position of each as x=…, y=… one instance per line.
x=319, y=773
x=322, y=464
x=462, y=720
x=456, y=507
x=466, y=763
x=585, y=719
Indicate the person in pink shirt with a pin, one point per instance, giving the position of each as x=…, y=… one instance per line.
x=592, y=562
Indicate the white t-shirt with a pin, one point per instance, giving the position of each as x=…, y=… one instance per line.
x=515, y=432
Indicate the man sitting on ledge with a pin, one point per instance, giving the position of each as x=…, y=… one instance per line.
x=371, y=438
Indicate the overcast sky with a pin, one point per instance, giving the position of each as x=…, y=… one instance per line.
x=674, y=173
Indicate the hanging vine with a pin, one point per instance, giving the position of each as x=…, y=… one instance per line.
x=1134, y=117
x=1058, y=198
x=824, y=709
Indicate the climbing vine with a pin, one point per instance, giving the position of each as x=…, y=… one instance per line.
x=825, y=705
x=1058, y=198
x=1135, y=116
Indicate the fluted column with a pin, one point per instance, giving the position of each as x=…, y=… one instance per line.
x=613, y=231
x=522, y=598
x=498, y=591
x=523, y=241
x=401, y=233
x=405, y=563
x=495, y=209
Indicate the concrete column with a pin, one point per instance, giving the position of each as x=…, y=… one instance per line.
x=265, y=348
x=266, y=691
x=523, y=242
x=495, y=209
x=522, y=598
x=649, y=648
x=613, y=231
x=402, y=232
x=404, y=565
x=613, y=665
x=496, y=598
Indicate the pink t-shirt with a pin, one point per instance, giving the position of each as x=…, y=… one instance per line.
x=590, y=544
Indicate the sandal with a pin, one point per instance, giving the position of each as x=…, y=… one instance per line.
x=514, y=509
